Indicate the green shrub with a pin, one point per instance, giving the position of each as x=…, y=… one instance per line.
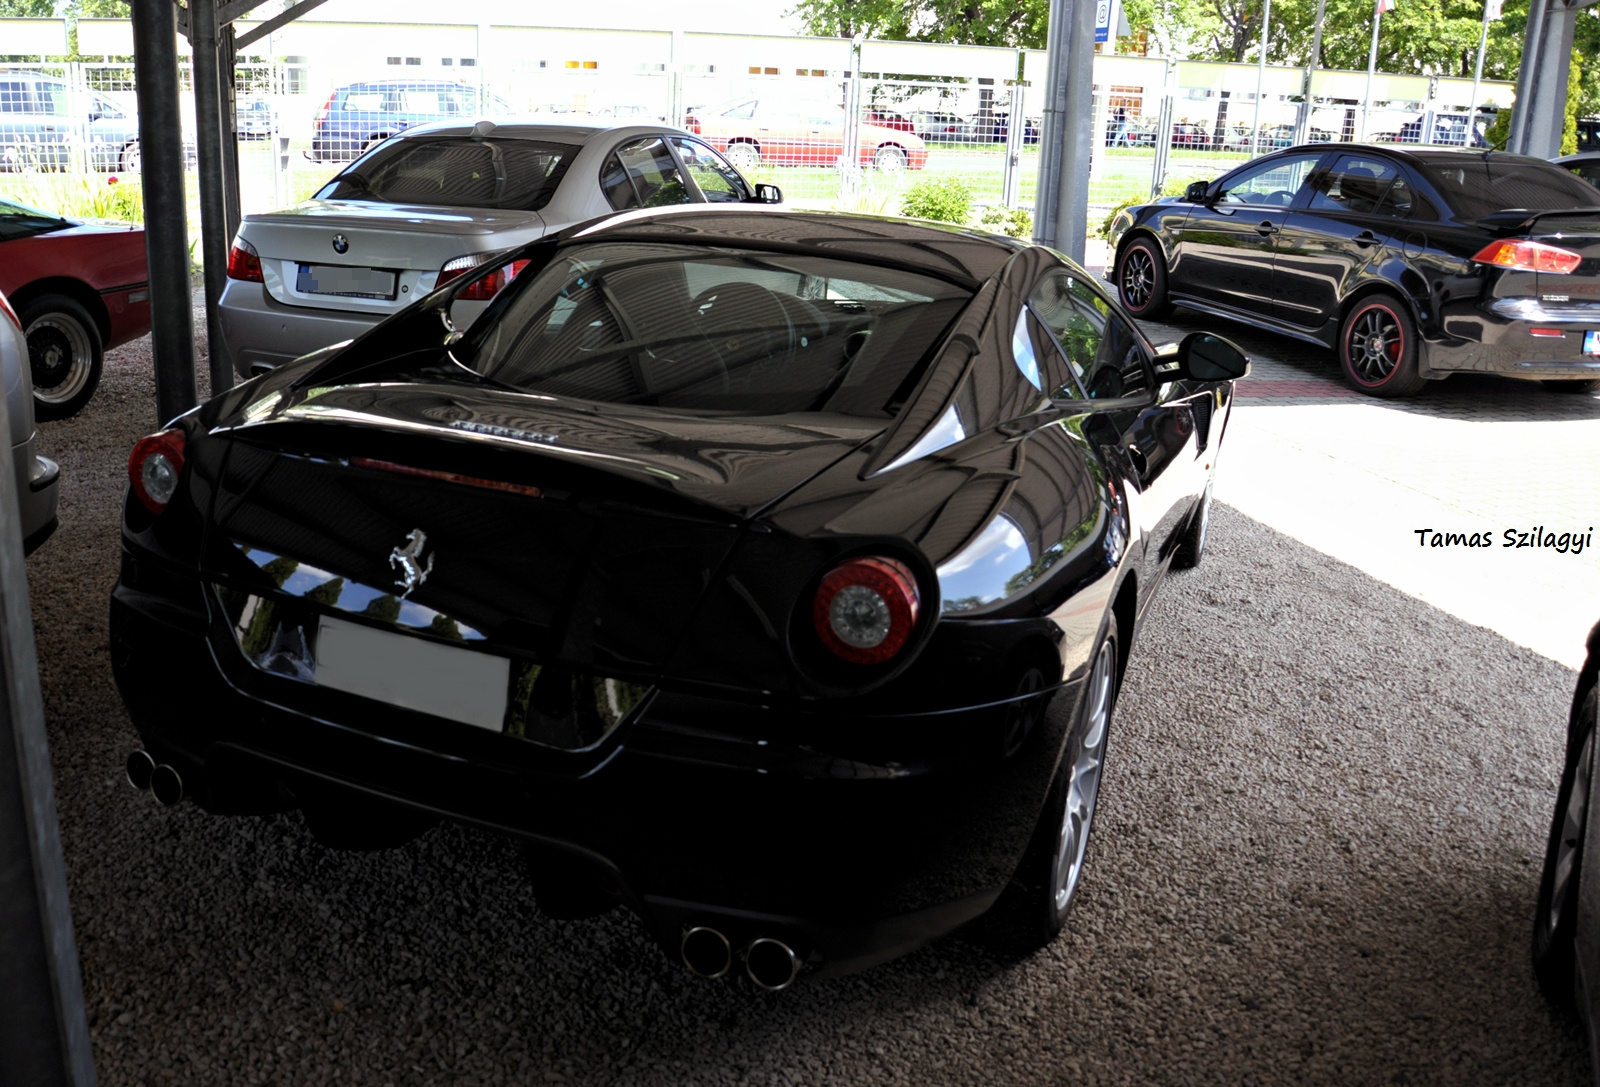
x=945, y=199
x=82, y=196
x=1014, y=222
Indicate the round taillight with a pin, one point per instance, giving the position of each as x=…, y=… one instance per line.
x=866, y=608
x=154, y=467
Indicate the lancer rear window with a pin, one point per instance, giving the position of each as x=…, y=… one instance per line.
x=456, y=172
x=724, y=330
x=1480, y=185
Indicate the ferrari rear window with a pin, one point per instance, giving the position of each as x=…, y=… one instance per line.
x=456, y=172
x=722, y=330
x=1480, y=185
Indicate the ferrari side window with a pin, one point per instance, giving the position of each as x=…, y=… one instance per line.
x=1101, y=350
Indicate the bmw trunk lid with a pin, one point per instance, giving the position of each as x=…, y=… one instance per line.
x=373, y=258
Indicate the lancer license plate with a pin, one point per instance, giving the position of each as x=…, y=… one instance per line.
x=414, y=673
x=1591, y=343
x=336, y=279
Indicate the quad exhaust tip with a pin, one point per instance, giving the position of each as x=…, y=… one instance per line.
x=771, y=964
x=163, y=782
x=706, y=952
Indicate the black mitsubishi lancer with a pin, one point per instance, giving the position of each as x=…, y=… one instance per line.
x=1410, y=265
x=772, y=574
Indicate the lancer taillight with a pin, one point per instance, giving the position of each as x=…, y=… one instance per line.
x=244, y=262
x=866, y=609
x=1521, y=255
x=485, y=288
x=154, y=467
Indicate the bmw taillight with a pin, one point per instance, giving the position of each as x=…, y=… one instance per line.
x=244, y=262
x=1521, y=255
x=11, y=314
x=866, y=608
x=485, y=288
x=154, y=467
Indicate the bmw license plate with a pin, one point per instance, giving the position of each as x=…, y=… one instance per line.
x=1591, y=343
x=414, y=673
x=347, y=282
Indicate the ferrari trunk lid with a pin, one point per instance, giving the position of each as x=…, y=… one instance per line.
x=568, y=531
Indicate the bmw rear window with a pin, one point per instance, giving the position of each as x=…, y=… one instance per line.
x=456, y=172
x=702, y=328
x=1480, y=185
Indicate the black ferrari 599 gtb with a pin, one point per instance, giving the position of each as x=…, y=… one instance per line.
x=770, y=573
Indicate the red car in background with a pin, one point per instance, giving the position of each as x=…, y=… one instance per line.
x=751, y=132
x=887, y=118
x=79, y=289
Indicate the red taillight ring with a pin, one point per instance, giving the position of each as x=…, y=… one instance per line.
x=154, y=467
x=866, y=608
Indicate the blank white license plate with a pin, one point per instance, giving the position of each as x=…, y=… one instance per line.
x=417, y=674
x=350, y=282
x=1591, y=343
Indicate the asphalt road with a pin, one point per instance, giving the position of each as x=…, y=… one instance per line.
x=1315, y=860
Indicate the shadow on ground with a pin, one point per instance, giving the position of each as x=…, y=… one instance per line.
x=1315, y=863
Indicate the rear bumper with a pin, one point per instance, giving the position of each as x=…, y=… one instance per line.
x=259, y=333
x=1498, y=339
x=702, y=811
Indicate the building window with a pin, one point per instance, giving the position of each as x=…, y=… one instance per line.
x=445, y=62
x=472, y=62
x=394, y=60
x=413, y=62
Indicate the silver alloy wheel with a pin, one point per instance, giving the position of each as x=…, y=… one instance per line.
x=1573, y=818
x=743, y=156
x=1375, y=344
x=1138, y=277
x=130, y=158
x=1083, y=786
x=889, y=159
x=60, y=357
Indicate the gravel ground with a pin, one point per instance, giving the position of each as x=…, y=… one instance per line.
x=1316, y=860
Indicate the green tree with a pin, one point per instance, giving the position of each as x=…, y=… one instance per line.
x=27, y=9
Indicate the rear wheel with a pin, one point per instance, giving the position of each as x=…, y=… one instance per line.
x=1378, y=348
x=1034, y=905
x=1577, y=388
x=744, y=156
x=1555, y=921
x=1142, y=280
x=889, y=158
x=64, y=355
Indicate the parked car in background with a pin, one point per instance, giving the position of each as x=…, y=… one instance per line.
x=775, y=572
x=1410, y=265
x=42, y=121
x=996, y=128
x=887, y=118
x=79, y=289
x=1566, y=924
x=254, y=118
x=940, y=127
x=431, y=205
x=1190, y=136
x=780, y=132
x=359, y=116
x=37, y=478
x=1585, y=164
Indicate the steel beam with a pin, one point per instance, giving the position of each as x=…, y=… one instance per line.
x=44, y=1033
x=166, y=229
x=213, y=182
x=1066, y=141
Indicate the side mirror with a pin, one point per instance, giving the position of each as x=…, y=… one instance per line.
x=768, y=194
x=1201, y=357
x=1196, y=192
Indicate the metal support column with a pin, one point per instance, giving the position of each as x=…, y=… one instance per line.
x=1541, y=108
x=166, y=232
x=44, y=1033
x=1061, y=214
x=214, y=234
x=227, y=70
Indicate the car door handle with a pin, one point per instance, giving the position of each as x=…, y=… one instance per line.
x=1265, y=227
x=1366, y=238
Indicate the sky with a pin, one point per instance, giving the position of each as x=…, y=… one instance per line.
x=726, y=16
